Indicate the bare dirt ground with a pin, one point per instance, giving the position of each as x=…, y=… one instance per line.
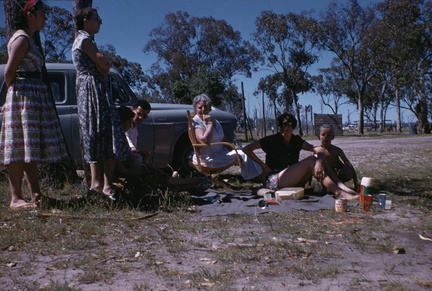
x=299, y=250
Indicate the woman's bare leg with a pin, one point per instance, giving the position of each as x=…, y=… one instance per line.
x=108, y=174
x=31, y=174
x=303, y=170
x=335, y=179
x=298, y=173
x=337, y=191
x=96, y=177
x=16, y=174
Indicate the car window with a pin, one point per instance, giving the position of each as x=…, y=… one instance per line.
x=117, y=90
x=58, y=86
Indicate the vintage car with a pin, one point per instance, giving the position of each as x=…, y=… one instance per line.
x=163, y=133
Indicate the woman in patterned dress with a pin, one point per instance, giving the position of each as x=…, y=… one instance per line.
x=30, y=132
x=101, y=131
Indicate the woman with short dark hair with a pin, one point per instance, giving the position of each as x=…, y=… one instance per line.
x=103, y=137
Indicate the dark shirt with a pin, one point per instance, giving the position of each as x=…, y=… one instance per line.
x=279, y=155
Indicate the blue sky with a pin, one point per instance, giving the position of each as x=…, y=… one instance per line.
x=127, y=25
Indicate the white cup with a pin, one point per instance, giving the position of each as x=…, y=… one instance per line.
x=267, y=196
x=367, y=182
x=388, y=204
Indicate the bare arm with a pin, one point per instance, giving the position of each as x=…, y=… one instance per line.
x=204, y=136
x=348, y=165
x=102, y=64
x=249, y=151
x=17, y=53
x=307, y=147
x=319, y=172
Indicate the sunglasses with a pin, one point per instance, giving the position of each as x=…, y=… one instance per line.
x=98, y=19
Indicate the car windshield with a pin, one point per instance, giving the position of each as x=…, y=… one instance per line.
x=117, y=90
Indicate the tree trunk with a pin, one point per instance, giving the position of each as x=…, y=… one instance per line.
x=299, y=121
x=398, y=111
x=297, y=107
x=264, y=118
x=361, y=115
x=374, y=117
x=382, y=122
x=423, y=115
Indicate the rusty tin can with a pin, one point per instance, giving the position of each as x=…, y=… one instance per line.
x=367, y=203
x=341, y=205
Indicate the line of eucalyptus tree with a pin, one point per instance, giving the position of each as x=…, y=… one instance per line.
x=332, y=85
x=197, y=55
x=402, y=41
x=80, y=4
x=57, y=38
x=269, y=86
x=342, y=30
x=286, y=42
x=419, y=65
x=58, y=35
x=384, y=52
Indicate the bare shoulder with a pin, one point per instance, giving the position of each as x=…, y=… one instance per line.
x=335, y=150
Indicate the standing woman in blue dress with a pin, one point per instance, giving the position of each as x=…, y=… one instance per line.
x=30, y=131
x=103, y=137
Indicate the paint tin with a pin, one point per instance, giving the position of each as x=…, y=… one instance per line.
x=341, y=205
x=381, y=201
x=367, y=203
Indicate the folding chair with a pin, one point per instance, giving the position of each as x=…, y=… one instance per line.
x=196, y=145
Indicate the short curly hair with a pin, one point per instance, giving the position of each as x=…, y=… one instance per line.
x=202, y=97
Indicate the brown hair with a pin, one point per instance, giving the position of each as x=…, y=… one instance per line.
x=15, y=10
x=287, y=119
x=85, y=13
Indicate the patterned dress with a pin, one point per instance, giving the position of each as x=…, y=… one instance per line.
x=101, y=131
x=30, y=129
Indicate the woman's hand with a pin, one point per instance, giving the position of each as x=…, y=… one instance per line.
x=207, y=119
x=204, y=136
x=101, y=62
x=319, y=172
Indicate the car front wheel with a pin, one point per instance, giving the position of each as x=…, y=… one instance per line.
x=182, y=160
